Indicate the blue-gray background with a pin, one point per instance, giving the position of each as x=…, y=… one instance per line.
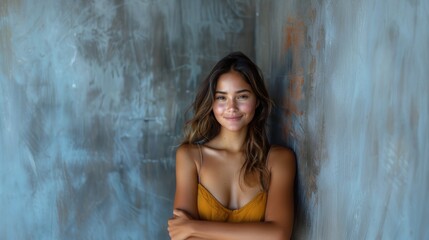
x=93, y=96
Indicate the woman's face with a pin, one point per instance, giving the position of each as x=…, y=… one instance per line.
x=235, y=103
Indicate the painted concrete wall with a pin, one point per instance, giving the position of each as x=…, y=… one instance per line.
x=92, y=102
x=93, y=95
x=352, y=81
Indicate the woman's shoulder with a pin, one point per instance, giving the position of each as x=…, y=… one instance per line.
x=281, y=157
x=282, y=151
x=187, y=147
x=187, y=152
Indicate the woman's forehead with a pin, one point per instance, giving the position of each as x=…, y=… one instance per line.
x=232, y=82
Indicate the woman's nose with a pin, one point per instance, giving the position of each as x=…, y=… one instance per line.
x=232, y=104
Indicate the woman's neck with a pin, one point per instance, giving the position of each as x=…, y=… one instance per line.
x=230, y=141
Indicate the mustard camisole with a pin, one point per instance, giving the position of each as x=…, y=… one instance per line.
x=209, y=208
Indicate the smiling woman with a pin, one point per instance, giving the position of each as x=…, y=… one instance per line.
x=235, y=102
x=230, y=183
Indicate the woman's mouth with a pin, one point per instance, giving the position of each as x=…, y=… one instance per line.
x=233, y=118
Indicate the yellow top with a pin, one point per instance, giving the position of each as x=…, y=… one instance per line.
x=209, y=208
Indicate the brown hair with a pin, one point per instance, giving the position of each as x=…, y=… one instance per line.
x=203, y=126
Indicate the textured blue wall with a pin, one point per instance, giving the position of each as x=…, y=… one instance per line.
x=93, y=96
x=351, y=80
x=92, y=102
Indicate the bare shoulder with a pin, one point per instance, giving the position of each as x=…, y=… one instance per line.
x=187, y=154
x=186, y=179
x=282, y=159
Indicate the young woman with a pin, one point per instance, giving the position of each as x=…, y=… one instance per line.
x=230, y=183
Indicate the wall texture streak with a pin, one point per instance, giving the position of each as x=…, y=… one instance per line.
x=93, y=96
x=351, y=78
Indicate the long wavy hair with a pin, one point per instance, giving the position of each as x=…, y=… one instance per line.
x=203, y=126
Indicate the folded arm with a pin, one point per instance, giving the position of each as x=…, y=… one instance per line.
x=279, y=211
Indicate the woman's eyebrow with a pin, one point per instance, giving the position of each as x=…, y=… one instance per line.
x=239, y=91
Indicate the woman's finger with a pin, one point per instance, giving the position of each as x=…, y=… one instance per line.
x=178, y=212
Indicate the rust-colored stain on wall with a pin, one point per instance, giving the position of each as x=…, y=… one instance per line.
x=294, y=34
x=299, y=78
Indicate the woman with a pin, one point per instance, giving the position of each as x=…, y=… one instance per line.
x=230, y=183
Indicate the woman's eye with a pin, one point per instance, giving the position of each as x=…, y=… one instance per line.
x=220, y=98
x=243, y=97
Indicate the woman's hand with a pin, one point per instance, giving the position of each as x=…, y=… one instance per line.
x=178, y=225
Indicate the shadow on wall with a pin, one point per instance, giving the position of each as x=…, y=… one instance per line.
x=288, y=92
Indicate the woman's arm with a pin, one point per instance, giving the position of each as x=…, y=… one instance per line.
x=278, y=214
x=185, y=198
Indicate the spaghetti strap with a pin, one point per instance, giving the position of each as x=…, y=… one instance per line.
x=201, y=162
x=268, y=156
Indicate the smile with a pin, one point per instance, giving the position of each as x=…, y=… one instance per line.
x=233, y=118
